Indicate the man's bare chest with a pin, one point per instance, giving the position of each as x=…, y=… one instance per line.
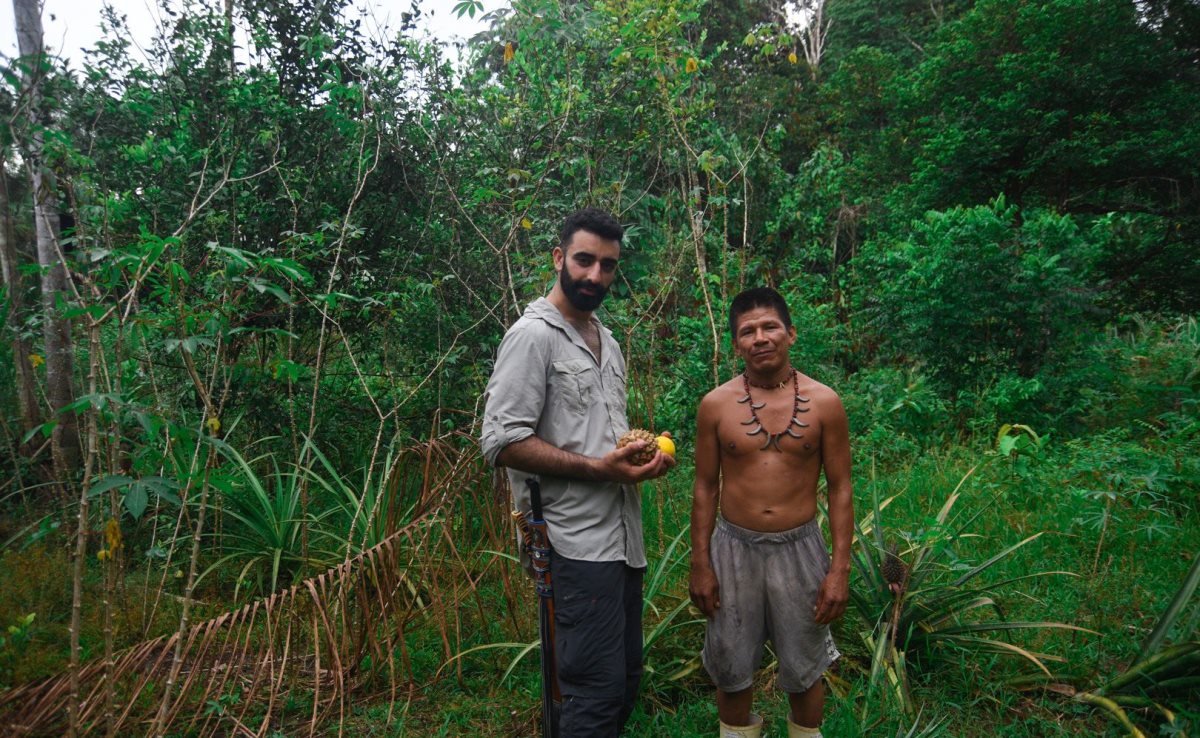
x=775, y=425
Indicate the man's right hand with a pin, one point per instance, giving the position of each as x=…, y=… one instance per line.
x=617, y=465
x=704, y=589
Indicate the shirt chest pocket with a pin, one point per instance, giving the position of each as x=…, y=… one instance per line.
x=576, y=383
x=614, y=386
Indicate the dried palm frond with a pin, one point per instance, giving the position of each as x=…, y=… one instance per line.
x=321, y=639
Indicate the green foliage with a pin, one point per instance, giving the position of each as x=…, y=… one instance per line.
x=937, y=607
x=980, y=293
x=360, y=515
x=1162, y=677
x=1062, y=104
x=136, y=493
x=307, y=237
x=893, y=412
x=672, y=630
x=1141, y=370
x=265, y=542
x=12, y=641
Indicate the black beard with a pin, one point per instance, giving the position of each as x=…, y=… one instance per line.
x=578, y=300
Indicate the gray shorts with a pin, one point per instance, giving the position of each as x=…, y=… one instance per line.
x=768, y=586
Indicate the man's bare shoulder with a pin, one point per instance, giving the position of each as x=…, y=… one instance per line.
x=719, y=395
x=823, y=395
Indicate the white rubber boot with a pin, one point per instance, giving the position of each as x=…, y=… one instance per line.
x=799, y=731
x=753, y=730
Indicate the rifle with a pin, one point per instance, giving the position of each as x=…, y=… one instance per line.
x=536, y=540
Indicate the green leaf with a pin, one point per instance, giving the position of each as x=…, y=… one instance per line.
x=1167, y=621
x=468, y=7
x=135, y=501
x=104, y=484
x=1007, y=444
x=163, y=487
x=45, y=429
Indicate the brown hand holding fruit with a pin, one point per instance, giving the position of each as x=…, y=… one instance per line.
x=646, y=461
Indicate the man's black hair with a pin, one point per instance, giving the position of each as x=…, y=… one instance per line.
x=758, y=297
x=593, y=220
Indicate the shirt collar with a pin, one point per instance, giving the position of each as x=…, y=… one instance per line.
x=543, y=309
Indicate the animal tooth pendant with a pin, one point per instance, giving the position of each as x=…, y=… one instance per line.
x=773, y=438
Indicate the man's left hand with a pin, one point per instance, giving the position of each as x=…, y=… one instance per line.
x=832, y=598
x=617, y=465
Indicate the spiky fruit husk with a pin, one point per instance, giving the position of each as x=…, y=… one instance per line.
x=646, y=453
x=893, y=566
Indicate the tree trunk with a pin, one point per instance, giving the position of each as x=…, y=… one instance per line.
x=31, y=415
x=55, y=288
x=814, y=34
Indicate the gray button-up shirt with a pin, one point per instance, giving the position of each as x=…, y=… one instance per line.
x=547, y=383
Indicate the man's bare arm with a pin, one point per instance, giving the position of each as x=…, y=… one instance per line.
x=536, y=456
x=835, y=459
x=704, y=587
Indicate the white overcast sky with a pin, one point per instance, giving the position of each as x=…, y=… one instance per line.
x=69, y=25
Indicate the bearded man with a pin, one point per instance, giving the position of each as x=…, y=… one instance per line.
x=760, y=570
x=555, y=407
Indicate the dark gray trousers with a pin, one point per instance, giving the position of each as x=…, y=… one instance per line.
x=598, y=642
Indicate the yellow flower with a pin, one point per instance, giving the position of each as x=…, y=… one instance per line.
x=793, y=58
x=102, y=554
x=508, y=52
x=112, y=534
x=526, y=223
x=36, y=360
x=214, y=425
x=692, y=65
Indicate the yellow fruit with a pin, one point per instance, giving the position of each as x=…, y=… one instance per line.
x=666, y=445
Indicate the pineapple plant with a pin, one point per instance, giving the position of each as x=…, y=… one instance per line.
x=894, y=570
x=938, y=604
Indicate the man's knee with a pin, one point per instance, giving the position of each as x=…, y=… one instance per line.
x=588, y=717
x=590, y=629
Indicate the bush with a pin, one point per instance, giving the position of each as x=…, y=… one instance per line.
x=1133, y=373
x=894, y=412
x=981, y=292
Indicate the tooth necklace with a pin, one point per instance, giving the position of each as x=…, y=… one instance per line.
x=773, y=438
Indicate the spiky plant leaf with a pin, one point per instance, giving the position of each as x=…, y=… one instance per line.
x=941, y=606
x=1173, y=612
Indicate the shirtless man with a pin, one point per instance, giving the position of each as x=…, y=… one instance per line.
x=761, y=570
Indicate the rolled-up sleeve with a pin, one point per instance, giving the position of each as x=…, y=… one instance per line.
x=516, y=391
